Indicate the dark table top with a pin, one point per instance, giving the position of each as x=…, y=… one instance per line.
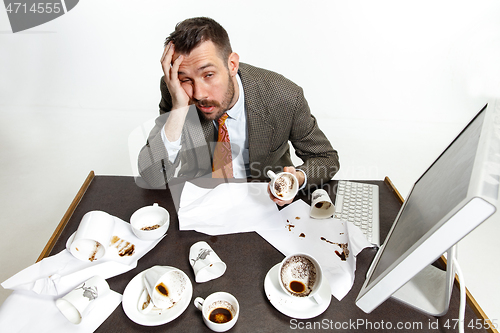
x=248, y=257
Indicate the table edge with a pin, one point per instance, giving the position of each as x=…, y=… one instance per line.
x=65, y=219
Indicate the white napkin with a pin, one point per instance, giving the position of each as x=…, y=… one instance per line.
x=226, y=209
x=322, y=239
x=24, y=311
x=60, y=273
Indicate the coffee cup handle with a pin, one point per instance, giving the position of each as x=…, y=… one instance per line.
x=317, y=297
x=271, y=174
x=198, y=302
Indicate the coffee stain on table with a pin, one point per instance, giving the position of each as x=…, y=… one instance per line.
x=344, y=246
x=124, y=247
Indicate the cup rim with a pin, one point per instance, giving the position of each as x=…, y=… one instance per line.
x=207, y=301
x=319, y=277
x=295, y=189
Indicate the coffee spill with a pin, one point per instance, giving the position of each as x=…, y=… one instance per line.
x=297, y=218
x=93, y=254
x=290, y=226
x=302, y=235
x=297, y=287
x=345, y=250
x=220, y=315
x=341, y=255
x=162, y=289
x=124, y=248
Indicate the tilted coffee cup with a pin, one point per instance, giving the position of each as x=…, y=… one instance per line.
x=300, y=275
x=220, y=311
x=283, y=185
x=164, y=286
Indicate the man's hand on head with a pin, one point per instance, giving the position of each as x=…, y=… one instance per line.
x=170, y=67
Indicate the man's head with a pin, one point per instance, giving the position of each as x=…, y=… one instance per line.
x=190, y=33
x=208, y=69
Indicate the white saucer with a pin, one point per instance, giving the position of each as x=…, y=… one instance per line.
x=134, y=290
x=300, y=308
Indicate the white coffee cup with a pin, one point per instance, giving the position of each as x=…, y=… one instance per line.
x=283, y=185
x=150, y=222
x=76, y=304
x=220, y=311
x=92, y=236
x=321, y=205
x=300, y=275
x=205, y=262
x=165, y=287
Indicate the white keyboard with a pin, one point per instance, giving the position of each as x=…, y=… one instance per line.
x=358, y=203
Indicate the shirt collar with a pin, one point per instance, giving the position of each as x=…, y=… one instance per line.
x=237, y=111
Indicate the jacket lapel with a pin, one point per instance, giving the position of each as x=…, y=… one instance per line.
x=260, y=129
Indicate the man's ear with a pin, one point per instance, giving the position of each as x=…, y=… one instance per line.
x=233, y=63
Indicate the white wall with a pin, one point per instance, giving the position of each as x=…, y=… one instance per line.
x=391, y=83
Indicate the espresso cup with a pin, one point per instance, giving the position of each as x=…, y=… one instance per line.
x=92, y=236
x=220, y=311
x=150, y=222
x=205, y=262
x=76, y=304
x=321, y=206
x=300, y=275
x=164, y=286
x=283, y=185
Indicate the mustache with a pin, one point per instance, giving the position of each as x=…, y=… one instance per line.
x=206, y=103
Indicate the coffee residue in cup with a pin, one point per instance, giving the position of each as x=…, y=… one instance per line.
x=297, y=287
x=149, y=228
x=220, y=315
x=162, y=289
x=302, y=270
x=283, y=185
x=323, y=205
x=94, y=252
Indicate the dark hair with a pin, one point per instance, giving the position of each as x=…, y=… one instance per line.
x=189, y=33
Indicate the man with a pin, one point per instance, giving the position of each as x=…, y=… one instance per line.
x=204, y=82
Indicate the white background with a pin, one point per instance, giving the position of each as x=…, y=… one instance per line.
x=391, y=83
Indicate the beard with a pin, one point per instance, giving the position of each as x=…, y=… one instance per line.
x=221, y=107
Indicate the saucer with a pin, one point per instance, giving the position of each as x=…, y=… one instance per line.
x=300, y=308
x=134, y=290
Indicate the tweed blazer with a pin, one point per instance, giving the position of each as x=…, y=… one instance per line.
x=277, y=113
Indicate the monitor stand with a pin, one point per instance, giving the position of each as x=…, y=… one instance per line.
x=430, y=290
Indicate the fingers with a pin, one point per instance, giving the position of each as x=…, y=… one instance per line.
x=166, y=59
x=290, y=169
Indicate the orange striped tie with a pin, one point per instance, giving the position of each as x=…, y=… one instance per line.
x=223, y=162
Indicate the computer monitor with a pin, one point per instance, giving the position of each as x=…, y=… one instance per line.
x=459, y=191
